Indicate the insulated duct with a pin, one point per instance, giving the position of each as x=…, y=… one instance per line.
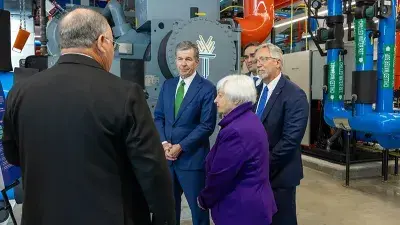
x=257, y=21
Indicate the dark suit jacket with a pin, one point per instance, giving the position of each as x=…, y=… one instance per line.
x=285, y=120
x=194, y=123
x=87, y=147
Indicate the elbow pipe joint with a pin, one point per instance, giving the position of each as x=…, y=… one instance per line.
x=257, y=22
x=114, y=11
x=385, y=127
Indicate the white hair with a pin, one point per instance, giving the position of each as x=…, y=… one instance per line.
x=274, y=50
x=238, y=89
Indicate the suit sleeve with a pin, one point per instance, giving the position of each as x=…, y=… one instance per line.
x=227, y=162
x=208, y=120
x=159, y=115
x=147, y=157
x=9, y=140
x=294, y=126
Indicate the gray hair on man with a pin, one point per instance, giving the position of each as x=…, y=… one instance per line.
x=187, y=45
x=238, y=89
x=81, y=30
x=275, y=51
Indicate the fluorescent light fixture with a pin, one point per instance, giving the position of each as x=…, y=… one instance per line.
x=322, y=13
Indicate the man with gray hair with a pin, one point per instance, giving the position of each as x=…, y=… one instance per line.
x=85, y=139
x=283, y=109
x=185, y=117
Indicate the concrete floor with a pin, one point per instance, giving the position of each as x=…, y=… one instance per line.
x=321, y=200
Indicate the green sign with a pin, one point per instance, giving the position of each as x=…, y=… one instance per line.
x=388, y=66
x=360, y=40
x=336, y=80
x=341, y=78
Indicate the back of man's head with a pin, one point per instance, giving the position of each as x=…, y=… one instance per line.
x=80, y=28
x=87, y=32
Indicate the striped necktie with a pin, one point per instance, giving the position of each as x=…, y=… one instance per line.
x=262, y=102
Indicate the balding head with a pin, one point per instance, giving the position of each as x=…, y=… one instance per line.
x=80, y=28
x=86, y=31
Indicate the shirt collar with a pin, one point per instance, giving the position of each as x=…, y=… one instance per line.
x=73, y=53
x=188, y=79
x=253, y=75
x=271, y=86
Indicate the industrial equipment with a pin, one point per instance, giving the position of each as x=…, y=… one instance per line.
x=159, y=27
x=370, y=115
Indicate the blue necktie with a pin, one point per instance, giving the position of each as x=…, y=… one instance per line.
x=255, y=80
x=262, y=102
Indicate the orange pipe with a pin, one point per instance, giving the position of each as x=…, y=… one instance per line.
x=283, y=3
x=397, y=63
x=257, y=21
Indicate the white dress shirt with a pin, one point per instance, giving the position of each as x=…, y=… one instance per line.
x=271, y=86
x=258, y=81
x=188, y=80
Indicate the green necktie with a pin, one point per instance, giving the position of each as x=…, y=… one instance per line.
x=179, y=97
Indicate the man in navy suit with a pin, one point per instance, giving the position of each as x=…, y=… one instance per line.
x=283, y=109
x=185, y=118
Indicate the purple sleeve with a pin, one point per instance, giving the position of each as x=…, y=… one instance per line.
x=225, y=166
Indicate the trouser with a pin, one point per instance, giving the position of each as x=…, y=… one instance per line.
x=285, y=199
x=189, y=182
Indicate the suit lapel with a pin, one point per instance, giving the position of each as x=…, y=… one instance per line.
x=171, y=98
x=190, y=94
x=271, y=101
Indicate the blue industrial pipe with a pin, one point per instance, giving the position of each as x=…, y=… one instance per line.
x=386, y=46
x=364, y=57
x=1, y=4
x=334, y=99
x=382, y=124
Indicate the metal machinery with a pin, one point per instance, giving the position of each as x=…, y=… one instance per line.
x=149, y=49
x=365, y=112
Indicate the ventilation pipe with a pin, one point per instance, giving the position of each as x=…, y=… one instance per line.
x=257, y=21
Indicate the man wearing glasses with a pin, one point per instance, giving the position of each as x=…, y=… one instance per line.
x=283, y=109
x=85, y=139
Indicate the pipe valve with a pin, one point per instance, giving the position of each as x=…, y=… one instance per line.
x=335, y=33
x=322, y=35
x=384, y=8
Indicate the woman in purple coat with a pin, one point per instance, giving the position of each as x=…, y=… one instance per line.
x=237, y=188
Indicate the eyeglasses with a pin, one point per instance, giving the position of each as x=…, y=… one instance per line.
x=265, y=59
x=116, y=44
